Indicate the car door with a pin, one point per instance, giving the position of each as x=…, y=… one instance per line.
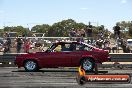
x=80, y=51
x=58, y=59
x=76, y=54
x=55, y=58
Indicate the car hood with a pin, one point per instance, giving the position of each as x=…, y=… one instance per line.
x=101, y=50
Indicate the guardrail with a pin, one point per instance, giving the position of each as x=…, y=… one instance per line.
x=121, y=57
x=8, y=59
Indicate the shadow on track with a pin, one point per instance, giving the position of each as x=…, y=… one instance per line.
x=61, y=70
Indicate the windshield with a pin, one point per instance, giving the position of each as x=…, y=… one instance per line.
x=129, y=42
x=51, y=47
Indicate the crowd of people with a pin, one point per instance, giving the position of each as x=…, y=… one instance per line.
x=17, y=43
x=101, y=41
x=80, y=35
x=87, y=33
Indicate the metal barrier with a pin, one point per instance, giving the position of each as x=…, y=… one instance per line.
x=121, y=57
x=38, y=43
x=8, y=59
x=47, y=41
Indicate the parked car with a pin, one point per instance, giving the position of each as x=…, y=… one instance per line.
x=63, y=54
x=1, y=44
x=129, y=43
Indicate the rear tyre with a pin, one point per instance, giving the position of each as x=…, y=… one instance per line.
x=81, y=80
x=88, y=64
x=31, y=66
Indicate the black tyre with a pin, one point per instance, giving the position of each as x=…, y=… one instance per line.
x=88, y=64
x=31, y=66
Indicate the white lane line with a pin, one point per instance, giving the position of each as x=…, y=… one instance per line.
x=60, y=83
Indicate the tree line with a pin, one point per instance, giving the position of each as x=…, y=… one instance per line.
x=126, y=28
x=62, y=28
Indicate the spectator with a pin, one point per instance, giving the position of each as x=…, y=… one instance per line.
x=27, y=46
x=82, y=33
x=101, y=32
x=101, y=35
x=125, y=47
x=117, y=30
x=72, y=33
x=5, y=47
x=106, y=43
x=89, y=33
x=78, y=33
x=99, y=43
x=114, y=49
x=101, y=28
x=19, y=43
x=128, y=50
x=79, y=36
x=7, y=44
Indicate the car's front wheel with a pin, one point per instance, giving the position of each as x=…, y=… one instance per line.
x=88, y=64
x=31, y=65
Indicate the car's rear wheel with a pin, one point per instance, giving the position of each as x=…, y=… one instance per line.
x=31, y=65
x=88, y=64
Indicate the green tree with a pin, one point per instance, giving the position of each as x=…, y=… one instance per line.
x=19, y=29
x=61, y=29
x=126, y=28
x=41, y=29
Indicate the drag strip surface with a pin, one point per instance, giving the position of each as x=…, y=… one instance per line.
x=12, y=77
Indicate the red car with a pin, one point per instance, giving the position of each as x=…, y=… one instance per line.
x=63, y=54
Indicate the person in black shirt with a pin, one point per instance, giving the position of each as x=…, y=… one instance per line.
x=117, y=31
x=89, y=31
x=19, y=43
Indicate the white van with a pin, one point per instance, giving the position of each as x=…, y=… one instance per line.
x=12, y=34
x=129, y=43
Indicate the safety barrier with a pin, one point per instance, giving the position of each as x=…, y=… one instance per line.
x=37, y=43
x=121, y=57
x=8, y=59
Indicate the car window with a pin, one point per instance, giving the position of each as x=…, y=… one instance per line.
x=82, y=47
x=65, y=47
x=58, y=48
x=129, y=42
x=70, y=47
x=62, y=48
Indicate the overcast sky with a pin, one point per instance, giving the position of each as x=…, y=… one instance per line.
x=31, y=12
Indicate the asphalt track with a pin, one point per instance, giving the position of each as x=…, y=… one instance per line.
x=12, y=77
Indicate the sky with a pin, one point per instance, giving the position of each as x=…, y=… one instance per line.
x=32, y=12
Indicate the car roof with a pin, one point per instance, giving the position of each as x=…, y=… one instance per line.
x=129, y=39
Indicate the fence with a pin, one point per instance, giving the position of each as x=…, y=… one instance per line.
x=7, y=60
x=38, y=43
x=47, y=41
